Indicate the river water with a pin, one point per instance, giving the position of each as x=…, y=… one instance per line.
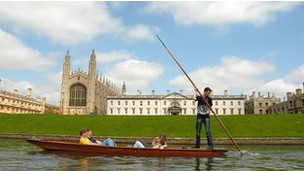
x=20, y=155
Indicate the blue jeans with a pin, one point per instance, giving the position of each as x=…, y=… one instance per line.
x=200, y=120
x=139, y=144
x=109, y=142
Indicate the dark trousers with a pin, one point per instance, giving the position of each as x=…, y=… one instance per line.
x=199, y=121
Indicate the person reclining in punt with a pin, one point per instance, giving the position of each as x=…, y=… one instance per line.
x=84, y=137
x=87, y=139
x=159, y=142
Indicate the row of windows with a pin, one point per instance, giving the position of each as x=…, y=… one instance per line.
x=149, y=111
x=165, y=111
x=278, y=109
x=232, y=111
x=16, y=110
x=17, y=102
x=141, y=103
x=231, y=103
x=294, y=104
x=266, y=104
x=165, y=103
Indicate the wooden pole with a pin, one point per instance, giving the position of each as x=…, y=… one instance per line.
x=199, y=92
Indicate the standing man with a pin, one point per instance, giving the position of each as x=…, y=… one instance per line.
x=203, y=116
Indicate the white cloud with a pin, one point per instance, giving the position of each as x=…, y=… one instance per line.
x=288, y=83
x=121, y=65
x=220, y=13
x=66, y=22
x=137, y=73
x=232, y=73
x=48, y=86
x=112, y=56
x=139, y=32
x=15, y=55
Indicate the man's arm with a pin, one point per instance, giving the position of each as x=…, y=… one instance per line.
x=195, y=94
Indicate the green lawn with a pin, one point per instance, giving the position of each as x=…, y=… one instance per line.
x=283, y=125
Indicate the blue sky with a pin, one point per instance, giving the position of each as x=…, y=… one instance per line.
x=239, y=46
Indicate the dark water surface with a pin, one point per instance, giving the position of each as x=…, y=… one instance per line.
x=20, y=155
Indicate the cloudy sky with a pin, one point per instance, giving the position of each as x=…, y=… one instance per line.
x=239, y=46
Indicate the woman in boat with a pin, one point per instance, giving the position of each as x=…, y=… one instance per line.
x=160, y=141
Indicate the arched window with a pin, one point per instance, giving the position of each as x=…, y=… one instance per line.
x=78, y=95
x=175, y=104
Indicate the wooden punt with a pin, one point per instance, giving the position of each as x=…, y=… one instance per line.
x=121, y=150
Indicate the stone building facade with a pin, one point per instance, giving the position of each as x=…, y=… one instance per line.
x=84, y=93
x=260, y=104
x=51, y=109
x=279, y=108
x=14, y=102
x=295, y=101
x=171, y=104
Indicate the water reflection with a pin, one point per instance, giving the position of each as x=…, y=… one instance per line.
x=72, y=161
x=208, y=164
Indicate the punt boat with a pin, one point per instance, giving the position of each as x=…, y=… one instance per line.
x=123, y=150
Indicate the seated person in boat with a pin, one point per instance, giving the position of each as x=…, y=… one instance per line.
x=84, y=140
x=160, y=141
x=92, y=139
x=88, y=135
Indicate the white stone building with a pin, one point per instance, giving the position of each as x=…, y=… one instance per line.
x=14, y=102
x=171, y=104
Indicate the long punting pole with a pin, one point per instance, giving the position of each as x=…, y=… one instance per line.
x=195, y=87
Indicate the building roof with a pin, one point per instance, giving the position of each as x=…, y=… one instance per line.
x=20, y=96
x=177, y=95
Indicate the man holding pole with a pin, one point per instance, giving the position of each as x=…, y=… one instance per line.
x=206, y=102
x=203, y=116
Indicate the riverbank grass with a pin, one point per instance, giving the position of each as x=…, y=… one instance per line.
x=275, y=125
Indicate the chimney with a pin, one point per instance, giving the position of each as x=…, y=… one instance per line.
x=153, y=92
x=168, y=91
x=225, y=92
x=268, y=94
x=138, y=92
x=16, y=91
x=181, y=91
x=298, y=91
x=288, y=95
x=124, y=89
x=29, y=92
x=253, y=95
x=259, y=94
